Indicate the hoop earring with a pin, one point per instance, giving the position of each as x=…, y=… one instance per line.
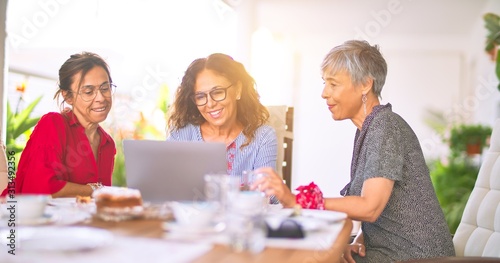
x=364, y=99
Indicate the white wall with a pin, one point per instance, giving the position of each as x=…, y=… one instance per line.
x=426, y=71
x=432, y=62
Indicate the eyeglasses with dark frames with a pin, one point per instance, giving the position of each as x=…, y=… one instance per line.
x=89, y=92
x=217, y=94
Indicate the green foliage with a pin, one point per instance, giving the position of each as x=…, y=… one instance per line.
x=163, y=100
x=20, y=123
x=463, y=135
x=492, y=24
x=144, y=128
x=454, y=179
x=436, y=120
x=453, y=183
x=119, y=168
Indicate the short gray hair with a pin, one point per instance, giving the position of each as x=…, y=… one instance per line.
x=360, y=60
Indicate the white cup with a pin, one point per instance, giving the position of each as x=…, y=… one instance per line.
x=245, y=227
x=194, y=214
x=219, y=188
x=248, y=203
x=30, y=206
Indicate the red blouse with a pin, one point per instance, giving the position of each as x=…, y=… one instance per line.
x=58, y=151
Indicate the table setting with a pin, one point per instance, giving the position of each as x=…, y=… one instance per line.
x=245, y=222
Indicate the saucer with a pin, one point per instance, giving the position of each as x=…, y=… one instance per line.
x=43, y=220
x=57, y=238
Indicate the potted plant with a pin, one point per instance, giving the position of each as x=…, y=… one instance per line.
x=469, y=139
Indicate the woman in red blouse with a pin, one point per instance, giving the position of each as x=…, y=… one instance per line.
x=68, y=153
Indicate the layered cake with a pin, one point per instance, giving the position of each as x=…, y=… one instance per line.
x=116, y=203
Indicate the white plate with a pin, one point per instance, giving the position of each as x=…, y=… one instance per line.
x=177, y=228
x=310, y=219
x=327, y=215
x=63, y=201
x=59, y=239
x=307, y=223
x=44, y=220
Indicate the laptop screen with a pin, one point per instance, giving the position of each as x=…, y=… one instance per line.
x=172, y=170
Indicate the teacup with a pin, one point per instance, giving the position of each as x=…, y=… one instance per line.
x=194, y=214
x=30, y=206
x=248, y=203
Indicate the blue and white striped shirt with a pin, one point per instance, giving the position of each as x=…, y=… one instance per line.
x=261, y=152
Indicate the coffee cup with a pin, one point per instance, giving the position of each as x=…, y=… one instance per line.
x=194, y=214
x=30, y=206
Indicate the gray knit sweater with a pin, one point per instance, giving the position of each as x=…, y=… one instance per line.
x=412, y=224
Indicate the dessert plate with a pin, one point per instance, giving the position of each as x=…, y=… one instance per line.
x=60, y=239
x=309, y=219
x=186, y=229
x=44, y=220
x=63, y=201
x=326, y=215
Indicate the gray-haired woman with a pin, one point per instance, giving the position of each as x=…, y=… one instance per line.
x=390, y=190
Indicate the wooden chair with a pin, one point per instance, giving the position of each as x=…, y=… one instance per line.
x=477, y=238
x=281, y=119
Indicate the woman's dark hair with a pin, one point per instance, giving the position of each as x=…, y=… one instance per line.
x=77, y=63
x=250, y=112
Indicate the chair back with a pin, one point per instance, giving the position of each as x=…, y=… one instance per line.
x=478, y=234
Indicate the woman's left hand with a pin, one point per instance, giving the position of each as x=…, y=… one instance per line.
x=356, y=248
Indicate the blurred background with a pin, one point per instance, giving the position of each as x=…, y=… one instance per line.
x=439, y=73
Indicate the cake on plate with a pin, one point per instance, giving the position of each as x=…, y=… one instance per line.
x=118, y=203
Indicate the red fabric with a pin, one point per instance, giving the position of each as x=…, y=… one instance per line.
x=57, y=152
x=310, y=197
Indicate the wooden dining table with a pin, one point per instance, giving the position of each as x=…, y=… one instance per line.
x=222, y=253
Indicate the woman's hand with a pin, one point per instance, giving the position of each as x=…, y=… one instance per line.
x=356, y=248
x=272, y=184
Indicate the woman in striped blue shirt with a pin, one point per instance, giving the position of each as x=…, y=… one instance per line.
x=217, y=102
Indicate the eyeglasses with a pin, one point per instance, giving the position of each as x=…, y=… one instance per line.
x=89, y=92
x=217, y=94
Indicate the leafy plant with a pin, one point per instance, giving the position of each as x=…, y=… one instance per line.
x=118, y=176
x=463, y=136
x=492, y=24
x=454, y=177
x=20, y=123
x=453, y=183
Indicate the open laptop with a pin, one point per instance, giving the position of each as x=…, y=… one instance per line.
x=171, y=170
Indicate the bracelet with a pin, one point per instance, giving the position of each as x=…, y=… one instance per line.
x=95, y=186
x=310, y=197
